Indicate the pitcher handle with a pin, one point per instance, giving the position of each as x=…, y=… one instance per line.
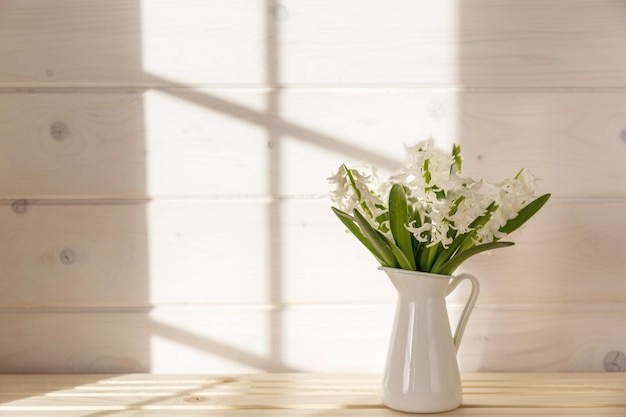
x=469, y=305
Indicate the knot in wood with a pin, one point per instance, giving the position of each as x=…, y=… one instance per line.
x=67, y=256
x=19, y=206
x=615, y=361
x=195, y=399
x=279, y=12
x=622, y=135
x=59, y=130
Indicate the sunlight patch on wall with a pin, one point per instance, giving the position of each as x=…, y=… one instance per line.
x=205, y=143
x=369, y=126
x=196, y=255
x=369, y=43
x=181, y=41
x=208, y=341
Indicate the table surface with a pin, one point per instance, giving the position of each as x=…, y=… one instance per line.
x=484, y=394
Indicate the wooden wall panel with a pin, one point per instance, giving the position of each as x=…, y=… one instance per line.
x=283, y=252
x=573, y=141
x=71, y=145
x=224, y=142
x=323, y=338
x=141, y=142
x=131, y=43
x=178, y=252
x=157, y=43
x=477, y=43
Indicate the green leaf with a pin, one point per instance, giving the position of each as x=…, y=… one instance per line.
x=418, y=248
x=397, y=257
x=524, y=214
x=455, y=206
x=352, y=226
x=482, y=220
x=426, y=168
x=398, y=219
x=377, y=236
x=404, y=262
x=449, y=267
x=446, y=254
x=427, y=256
x=457, y=161
x=352, y=181
x=377, y=241
x=464, y=241
x=416, y=220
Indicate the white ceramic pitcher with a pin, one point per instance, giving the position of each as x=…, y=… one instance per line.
x=422, y=374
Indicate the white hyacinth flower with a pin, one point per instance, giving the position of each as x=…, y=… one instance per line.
x=447, y=217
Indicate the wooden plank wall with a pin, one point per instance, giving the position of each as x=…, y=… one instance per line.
x=163, y=204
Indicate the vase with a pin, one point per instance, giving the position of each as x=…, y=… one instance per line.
x=421, y=372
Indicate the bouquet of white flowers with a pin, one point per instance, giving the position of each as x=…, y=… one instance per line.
x=428, y=217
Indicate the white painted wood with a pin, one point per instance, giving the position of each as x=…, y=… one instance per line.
x=573, y=141
x=248, y=251
x=156, y=42
x=130, y=43
x=203, y=142
x=212, y=142
x=116, y=198
x=471, y=43
x=182, y=252
x=323, y=338
x=567, y=254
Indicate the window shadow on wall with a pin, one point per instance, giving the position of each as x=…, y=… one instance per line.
x=277, y=129
x=76, y=288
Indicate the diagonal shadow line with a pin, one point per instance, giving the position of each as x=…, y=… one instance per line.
x=139, y=406
x=269, y=121
x=276, y=128
x=218, y=348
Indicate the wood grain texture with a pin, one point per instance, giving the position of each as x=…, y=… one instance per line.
x=130, y=43
x=313, y=338
x=141, y=142
x=190, y=252
x=541, y=394
x=477, y=43
x=211, y=143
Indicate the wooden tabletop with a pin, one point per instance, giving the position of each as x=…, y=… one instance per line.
x=485, y=394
